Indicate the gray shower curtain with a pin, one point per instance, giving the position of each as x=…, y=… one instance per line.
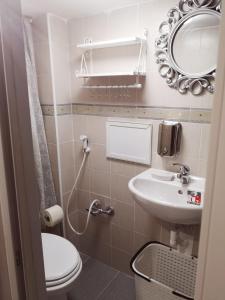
x=41, y=155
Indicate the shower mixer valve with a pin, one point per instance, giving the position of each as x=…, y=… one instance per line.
x=84, y=140
x=97, y=210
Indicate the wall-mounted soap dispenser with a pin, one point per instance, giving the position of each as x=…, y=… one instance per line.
x=169, y=138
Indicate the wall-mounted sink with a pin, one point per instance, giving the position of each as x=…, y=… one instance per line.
x=164, y=196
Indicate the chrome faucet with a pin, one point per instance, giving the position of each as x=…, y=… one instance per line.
x=97, y=210
x=184, y=173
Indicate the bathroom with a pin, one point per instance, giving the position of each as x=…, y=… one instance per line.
x=98, y=98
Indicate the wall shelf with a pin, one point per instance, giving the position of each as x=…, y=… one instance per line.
x=129, y=86
x=117, y=74
x=138, y=70
x=112, y=43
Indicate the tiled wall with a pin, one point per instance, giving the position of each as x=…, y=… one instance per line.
x=111, y=239
x=126, y=22
x=115, y=239
x=60, y=61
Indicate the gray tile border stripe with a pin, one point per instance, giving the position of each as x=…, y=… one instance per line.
x=48, y=110
x=61, y=109
x=194, y=115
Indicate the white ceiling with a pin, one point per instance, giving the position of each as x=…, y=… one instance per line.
x=72, y=8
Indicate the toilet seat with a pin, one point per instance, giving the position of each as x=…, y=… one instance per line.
x=64, y=279
x=62, y=262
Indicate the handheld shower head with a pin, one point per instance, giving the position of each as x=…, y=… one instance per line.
x=84, y=140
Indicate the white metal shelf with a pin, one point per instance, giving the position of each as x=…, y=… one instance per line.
x=138, y=71
x=95, y=75
x=130, y=86
x=112, y=43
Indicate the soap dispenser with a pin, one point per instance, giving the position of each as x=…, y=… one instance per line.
x=169, y=138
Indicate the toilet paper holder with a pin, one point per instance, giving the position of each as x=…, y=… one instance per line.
x=52, y=216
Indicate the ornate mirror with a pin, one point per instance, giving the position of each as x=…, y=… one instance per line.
x=187, y=47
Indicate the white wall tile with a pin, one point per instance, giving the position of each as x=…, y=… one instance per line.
x=40, y=29
x=42, y=58
x=59, y=30
x=67, y=166
x=65, y=128
x=124, y=22
x=96, y=27
x=59, y=49
x=204, y=142
x=45, y=89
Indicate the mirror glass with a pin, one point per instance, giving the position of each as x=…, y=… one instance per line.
x=195, y=43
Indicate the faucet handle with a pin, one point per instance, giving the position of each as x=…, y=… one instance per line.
x=184, y=169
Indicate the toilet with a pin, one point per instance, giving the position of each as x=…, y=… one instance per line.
x=62, y=264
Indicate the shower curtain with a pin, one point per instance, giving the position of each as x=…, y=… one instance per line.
x=41, y=155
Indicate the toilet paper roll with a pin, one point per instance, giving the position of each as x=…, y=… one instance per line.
x=53, y=216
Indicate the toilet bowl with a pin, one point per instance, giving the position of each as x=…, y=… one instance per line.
x=62, y=264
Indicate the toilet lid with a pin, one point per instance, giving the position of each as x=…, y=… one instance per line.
x=60, y=256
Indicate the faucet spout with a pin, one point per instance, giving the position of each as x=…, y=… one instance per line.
x=184, y=172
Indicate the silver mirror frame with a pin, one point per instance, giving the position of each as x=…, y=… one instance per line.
x=174, y=77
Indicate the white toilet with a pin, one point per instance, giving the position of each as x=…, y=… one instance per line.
x=62, y=264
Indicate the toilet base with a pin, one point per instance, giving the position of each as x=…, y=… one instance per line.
x=58, y=297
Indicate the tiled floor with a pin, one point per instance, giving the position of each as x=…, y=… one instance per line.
x=98, y=281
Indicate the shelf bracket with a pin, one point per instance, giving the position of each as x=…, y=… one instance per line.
x=141, y=64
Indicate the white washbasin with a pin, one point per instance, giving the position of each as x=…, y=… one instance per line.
x=170, y=201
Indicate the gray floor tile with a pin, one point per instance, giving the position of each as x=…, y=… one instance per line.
x=121, y=288
x=84, y=257
x=94, y=278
